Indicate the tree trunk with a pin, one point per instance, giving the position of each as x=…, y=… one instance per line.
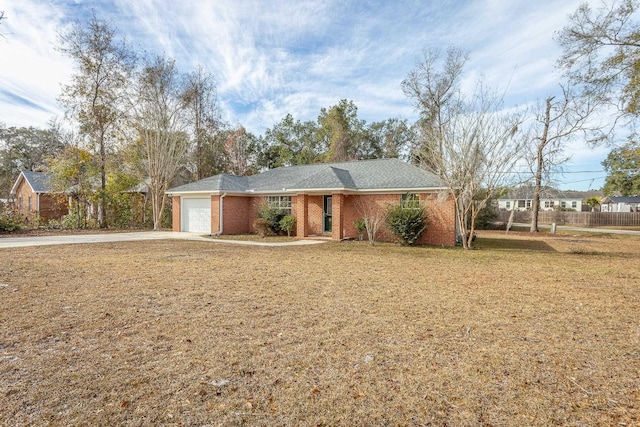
x=103, y=183
x=535, y=206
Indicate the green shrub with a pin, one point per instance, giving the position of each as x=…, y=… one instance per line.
x=288, y=224
x=262, y=227
x=9, y=222
x=407, y=223
x=273, y=215
x=71, y=221
x=361, y=226
x=487, y=215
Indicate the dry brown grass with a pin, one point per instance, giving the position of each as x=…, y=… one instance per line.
x=255, y=238
x=523, y=331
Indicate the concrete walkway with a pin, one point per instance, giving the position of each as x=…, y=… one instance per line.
x=584, y=229
x=18, y=242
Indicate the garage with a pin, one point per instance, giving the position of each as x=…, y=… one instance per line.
x=196, y=215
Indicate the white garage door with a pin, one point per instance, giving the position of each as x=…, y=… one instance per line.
x=196, y=215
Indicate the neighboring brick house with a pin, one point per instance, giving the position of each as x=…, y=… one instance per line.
x=33, y=197
x=325, y=198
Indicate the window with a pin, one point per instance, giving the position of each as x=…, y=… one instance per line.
x=521, y=203
x=410, y=200
x=29, y=201
x=280, y=202
x=563, y=204
x=20, y=203
x=508, y=205
x=528, y=204
x=574, y=204
x=547, y=204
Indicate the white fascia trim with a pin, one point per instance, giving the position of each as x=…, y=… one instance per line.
x=15, y=184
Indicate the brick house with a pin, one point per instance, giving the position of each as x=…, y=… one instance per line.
x=325, y=198
x=34, y=199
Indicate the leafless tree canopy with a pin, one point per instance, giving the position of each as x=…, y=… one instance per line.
x=200, y=98
x=601, y=48
x=553, y=125
x=161, y=121
x=436, y=95
x=468, y=141
x=373, y=214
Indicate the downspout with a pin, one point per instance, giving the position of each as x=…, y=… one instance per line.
x=221, y=216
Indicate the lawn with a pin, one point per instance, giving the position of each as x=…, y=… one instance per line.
x=522, y=331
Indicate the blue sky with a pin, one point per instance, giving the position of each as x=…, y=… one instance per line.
x=271, y=58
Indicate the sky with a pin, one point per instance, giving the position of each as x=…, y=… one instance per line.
x=270, y=58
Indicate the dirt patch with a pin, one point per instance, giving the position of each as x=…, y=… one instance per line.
x=193, y=333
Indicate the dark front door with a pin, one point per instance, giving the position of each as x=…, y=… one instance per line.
x=327, y=214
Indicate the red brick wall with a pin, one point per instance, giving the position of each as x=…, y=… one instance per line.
x=371, y=204
x=441, y=214
x=301, y=212
x=315, y=212
x=52, y=206
x=215, y=214
x=23, y=193
x=175, y=214
x=236, y=215
x=337, y=226
x=254, y=205
x=440, y=211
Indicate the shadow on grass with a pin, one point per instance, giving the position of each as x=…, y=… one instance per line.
x=513, y=245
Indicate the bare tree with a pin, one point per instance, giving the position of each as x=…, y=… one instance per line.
x=468, y=142
x=2, y=15
x=161, y=121
x=479, y=151
x=373, y=214
x=555, y=123
x=201, y=102
x=434, y=87
x=95, y=96
x=240, y=148
x=2, y=18
x=601, y=49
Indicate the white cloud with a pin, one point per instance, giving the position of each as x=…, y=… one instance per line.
x=32, y=69
x=291, y=56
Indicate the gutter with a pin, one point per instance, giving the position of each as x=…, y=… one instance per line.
x=221, y=216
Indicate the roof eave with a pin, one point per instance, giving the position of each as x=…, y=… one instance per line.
x=324, y=190
x=14, y=188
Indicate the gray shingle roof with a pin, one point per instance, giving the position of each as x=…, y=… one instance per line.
x=525, y=193
x=39, y=181
x=621, y=199
x=380, y=174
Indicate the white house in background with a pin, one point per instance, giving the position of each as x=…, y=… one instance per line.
x=521, y=199
x=620, y=204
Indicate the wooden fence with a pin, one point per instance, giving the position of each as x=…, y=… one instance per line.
x=585, y=219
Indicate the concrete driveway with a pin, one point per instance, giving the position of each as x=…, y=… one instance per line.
x=17, y=242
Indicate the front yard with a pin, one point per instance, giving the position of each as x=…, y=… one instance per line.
x=522, y=331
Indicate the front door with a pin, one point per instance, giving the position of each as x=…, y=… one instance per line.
x=327, y=214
